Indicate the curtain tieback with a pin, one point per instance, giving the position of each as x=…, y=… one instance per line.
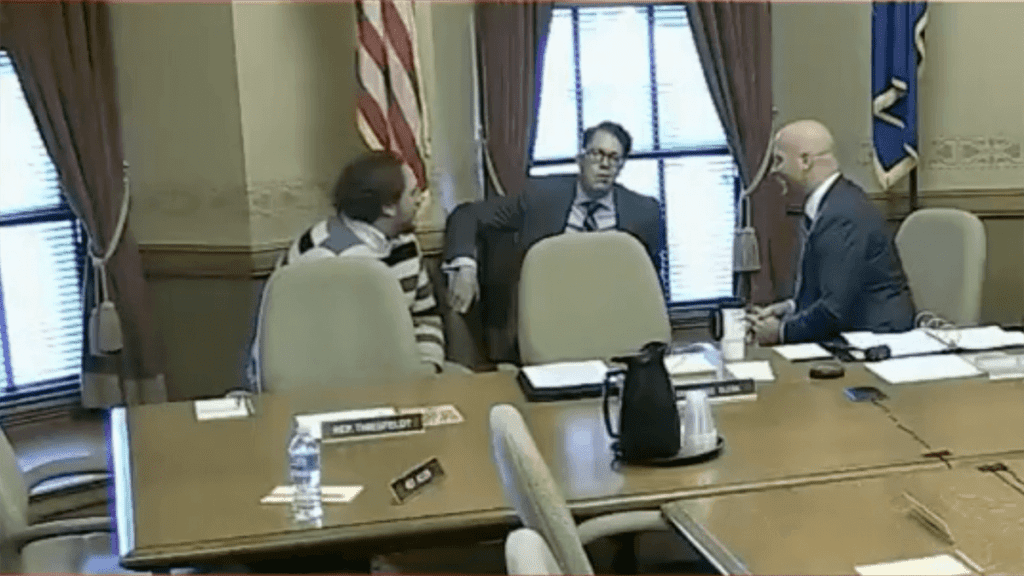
x=105, y=336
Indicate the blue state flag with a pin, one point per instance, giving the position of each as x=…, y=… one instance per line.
x=897, y=61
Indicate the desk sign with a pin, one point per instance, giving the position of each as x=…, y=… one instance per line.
x=374, y=427
x=416, y=480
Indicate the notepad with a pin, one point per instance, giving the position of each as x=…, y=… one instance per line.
x=938, y=565
x=794, y=352
x=923, y=368
x=690, y=363
x=221, y=408
x=566, y=374
x=910, y=343
x=758, y=371
x=328, y=494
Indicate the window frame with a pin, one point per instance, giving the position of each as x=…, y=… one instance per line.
x=679, y=312
x=16, y=397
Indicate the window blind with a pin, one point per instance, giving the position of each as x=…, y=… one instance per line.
x=637, y=65
x=41, y=250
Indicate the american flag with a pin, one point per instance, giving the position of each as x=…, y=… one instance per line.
x=390, y=108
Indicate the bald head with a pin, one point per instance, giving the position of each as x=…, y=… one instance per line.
x=804, y=154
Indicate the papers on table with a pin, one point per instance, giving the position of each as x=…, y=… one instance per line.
x=221, y=408
x=911, y=343
x=923, y=368
x=999, y=365
x=760, y=371
x=328, y=494
x=978, y=338
x=566, y=374
x=938, y=565
x=690, y=363
x=794, y=352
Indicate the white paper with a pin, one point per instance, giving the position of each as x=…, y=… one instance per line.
x=689, y=363
x=759, y=371
x=328, y=494
x=566, y=374
x=980, y=337
x=810, y=351
x=314, y=422
x=911, y=343
x=436, y=415
x=923, y=368
x=220, y=408
x=938, y=565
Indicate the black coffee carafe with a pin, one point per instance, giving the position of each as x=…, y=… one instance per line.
x=648, y=416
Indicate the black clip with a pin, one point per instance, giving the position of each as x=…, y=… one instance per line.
x=996, y=467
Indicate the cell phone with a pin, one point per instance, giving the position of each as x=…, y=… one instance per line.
x=865, y=393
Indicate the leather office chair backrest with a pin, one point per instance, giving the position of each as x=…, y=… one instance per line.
x=527, y=554
x=532, y=490
x=585, y=296
x=943, y=252
x=335, y=321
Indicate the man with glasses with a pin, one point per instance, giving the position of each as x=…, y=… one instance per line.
x=849, y=277
x=590, y=201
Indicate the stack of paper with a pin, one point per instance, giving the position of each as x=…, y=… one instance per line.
x=911, y=343
x=220, y=408
x=687, y=364
x=938, y=565
x=923, y=368
x=758, y=371
x=566, y=374
x=794, y=352
x=979, y=338
x=328, y=494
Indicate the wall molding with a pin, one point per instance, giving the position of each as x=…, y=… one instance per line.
x=991, y=203
x=237, y=262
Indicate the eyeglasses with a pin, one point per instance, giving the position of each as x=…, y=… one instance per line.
x=596, y=155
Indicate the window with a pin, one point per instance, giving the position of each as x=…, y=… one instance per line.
x=41, y=256
x=637, y=65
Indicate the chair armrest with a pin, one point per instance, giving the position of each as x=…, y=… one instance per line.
x=507, y=367
x=456, y=368
x=87, y=467
x=57, y=528
x=621, y=523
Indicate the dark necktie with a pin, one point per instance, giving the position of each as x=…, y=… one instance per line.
x=589, y=221
x=805, y=232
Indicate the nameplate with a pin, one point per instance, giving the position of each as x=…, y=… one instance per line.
x=416, y=480
x=719, y=389
x=371, y=427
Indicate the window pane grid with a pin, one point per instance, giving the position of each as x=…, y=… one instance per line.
x=41, y=258
x=680, y=152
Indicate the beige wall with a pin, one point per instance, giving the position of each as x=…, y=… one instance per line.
x=236, y=120
x=971, y=115
x=181, y=123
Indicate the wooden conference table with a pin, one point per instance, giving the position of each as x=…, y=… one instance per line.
x=833, y=528
x=189, y=491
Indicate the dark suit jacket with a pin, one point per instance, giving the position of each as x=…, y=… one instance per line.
x=853, y=278
x=542, y=211
x=498, y=232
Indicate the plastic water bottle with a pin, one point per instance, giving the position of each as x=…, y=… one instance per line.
x=304, y=469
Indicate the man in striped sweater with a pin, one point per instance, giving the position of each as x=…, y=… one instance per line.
x=377, y=200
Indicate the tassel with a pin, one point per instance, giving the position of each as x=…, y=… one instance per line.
x=104, y=323
x=746, y=257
